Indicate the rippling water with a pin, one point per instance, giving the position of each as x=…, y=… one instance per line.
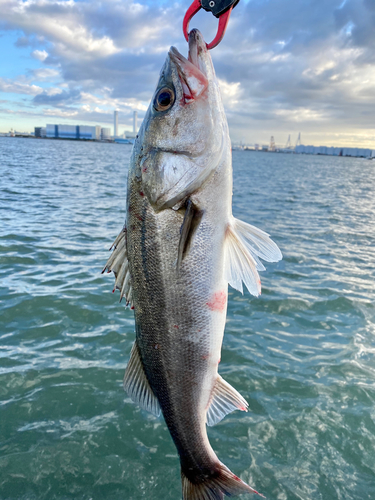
x=302, y=354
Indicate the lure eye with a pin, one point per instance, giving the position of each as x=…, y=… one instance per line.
x=164, y=99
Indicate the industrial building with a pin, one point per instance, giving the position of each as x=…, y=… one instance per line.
x=73, y=132
x=93, y=133
x=331, y=151
x=40, y=131
x=105, y=134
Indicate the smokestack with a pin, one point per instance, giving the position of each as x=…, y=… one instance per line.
x=115, y=128
x=135, y=125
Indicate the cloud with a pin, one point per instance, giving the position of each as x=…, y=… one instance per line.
x=14, y=87
x=356, y=20
x=230, y=92
x=46, y=74
x=57, y=98
x=61, y=113
x=61, y=23
x=29, y=41
x=111, y=102
x=41, y=55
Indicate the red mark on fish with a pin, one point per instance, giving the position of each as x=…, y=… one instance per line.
x=218, y=301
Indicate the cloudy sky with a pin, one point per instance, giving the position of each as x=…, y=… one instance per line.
x=285, y=66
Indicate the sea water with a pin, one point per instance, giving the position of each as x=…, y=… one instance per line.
x=302, y=354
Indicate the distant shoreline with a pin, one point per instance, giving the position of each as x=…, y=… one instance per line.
x=74, y=139
x=235, y=148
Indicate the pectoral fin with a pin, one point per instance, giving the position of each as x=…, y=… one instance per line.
x=245, y=244
x=137, y=386
x=190, y=224
x=225, y=399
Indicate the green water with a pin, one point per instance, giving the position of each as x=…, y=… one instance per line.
x=302, y=354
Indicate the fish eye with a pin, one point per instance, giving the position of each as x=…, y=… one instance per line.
x=164, y=99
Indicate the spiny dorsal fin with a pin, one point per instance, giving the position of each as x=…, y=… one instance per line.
x=245, y=244
x=224, y=400
x=137, y=386
x=118, y=263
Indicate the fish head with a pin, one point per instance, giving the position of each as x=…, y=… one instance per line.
x=185, y=129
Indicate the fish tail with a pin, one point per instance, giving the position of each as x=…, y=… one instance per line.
x=215, y=486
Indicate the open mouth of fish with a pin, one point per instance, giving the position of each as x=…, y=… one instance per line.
x=192, y=71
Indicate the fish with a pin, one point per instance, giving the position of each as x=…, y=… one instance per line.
x=178, y=251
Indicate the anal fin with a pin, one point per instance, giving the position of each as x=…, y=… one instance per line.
x=137, y=385
x=224, y=400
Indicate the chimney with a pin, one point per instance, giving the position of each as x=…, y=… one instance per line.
x=115, y=128
x=135, y=125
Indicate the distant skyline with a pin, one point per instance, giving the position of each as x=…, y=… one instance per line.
x=285, y=67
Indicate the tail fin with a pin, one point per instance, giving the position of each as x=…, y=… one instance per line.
x=221, y=483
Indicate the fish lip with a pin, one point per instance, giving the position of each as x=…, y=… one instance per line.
x=176, y=57
x=197, y=52
x=197, y=49
x=194, y=81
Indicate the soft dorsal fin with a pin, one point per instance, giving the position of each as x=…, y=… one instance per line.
x=224, y=400
x=137, y=386
x=118, y=263
x=245, y=244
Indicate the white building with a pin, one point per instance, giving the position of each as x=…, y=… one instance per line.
x=89, y=132
x=331, y=151
x=105, y=134
x=40, y=131
x=52, y=130
x=73, y=131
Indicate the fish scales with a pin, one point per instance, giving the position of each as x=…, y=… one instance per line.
x=174, y=330
x=174, y=259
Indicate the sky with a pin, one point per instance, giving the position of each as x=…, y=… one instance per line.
x=284, y=66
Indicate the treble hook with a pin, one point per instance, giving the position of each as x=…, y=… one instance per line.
x=219, y=8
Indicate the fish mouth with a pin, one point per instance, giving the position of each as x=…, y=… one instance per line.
x=198, y=50
x=192, y=71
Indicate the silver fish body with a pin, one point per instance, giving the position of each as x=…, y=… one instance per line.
x=173, y=261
